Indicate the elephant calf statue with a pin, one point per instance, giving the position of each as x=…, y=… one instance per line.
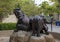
x=38, y=25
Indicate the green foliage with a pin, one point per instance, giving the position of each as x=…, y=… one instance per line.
x=57, y=6
x=27, y=6
x=44, y=7
x=7, y=26
x=55, y=1
x=5, y=8
x=47, y=9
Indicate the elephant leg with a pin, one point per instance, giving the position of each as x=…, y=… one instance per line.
x=16, y=30
x=20, y=27
x=33, y=29
x=38, y=29
x=38, y=33
x=42, y=31
x=46, y=30
x=33, y=34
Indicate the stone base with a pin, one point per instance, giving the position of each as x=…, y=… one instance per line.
x=20, y=36
x=37, y=39
x=23, y=36
x=49, y=38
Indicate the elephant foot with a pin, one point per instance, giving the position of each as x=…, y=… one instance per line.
x=16, y=30
x=38, y=35
x=47, y=33
x=33, y=34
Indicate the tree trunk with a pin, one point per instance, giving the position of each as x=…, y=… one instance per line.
x=58, y=16
x=1, y=18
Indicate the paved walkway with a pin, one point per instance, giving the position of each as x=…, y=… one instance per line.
x=4, y=39
x=6, y=33
x=54, y=28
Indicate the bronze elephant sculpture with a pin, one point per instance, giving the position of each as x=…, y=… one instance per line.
x=35, y=23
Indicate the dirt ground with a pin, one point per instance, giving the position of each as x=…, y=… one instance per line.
x=5, y=35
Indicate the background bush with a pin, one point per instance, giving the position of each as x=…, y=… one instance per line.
x=7, y=26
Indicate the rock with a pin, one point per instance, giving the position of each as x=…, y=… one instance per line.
x=13, y=37
x=23, y=36
x=49, y=38
x=20, y=36
x=37, y=39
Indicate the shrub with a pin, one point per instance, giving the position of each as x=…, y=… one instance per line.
x=7, y=26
